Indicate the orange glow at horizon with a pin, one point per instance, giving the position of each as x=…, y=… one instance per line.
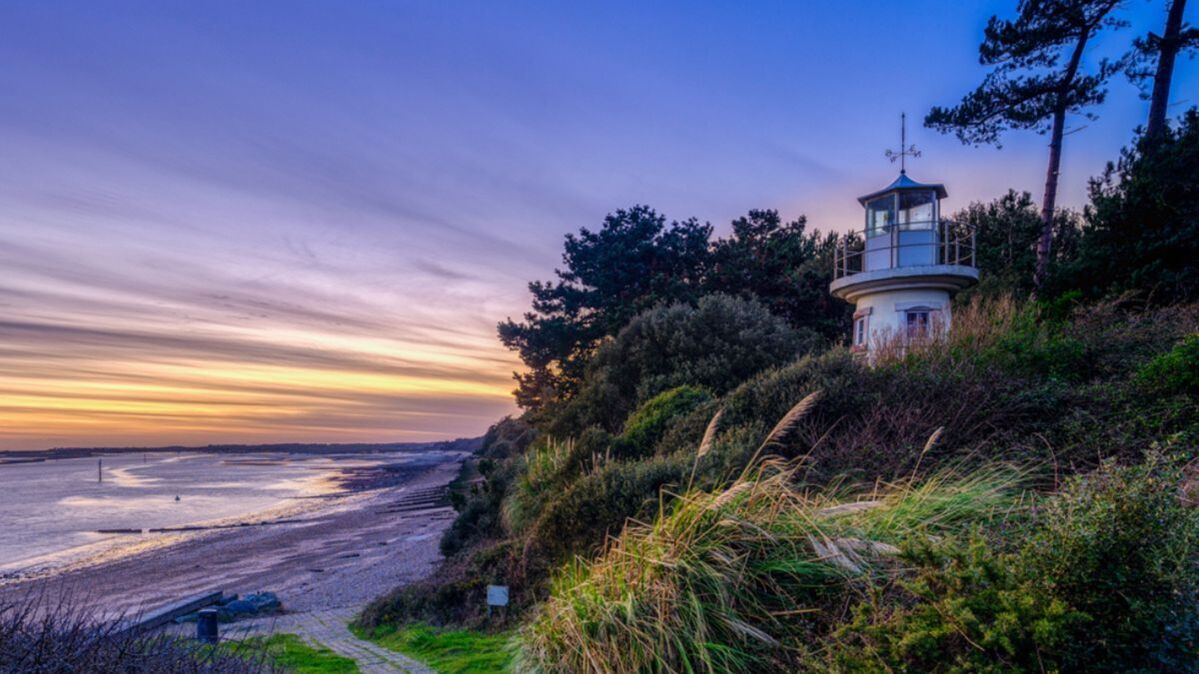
x=135, y=362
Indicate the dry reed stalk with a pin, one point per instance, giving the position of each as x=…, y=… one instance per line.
x=705, y=445
x=929, y=445
x=791, y=419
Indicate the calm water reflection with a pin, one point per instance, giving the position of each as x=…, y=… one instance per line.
x=50, y=511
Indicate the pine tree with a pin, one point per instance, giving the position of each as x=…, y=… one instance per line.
x=1154, y=56
x=1036, y=80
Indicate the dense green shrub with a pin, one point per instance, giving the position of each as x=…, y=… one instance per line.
x=479, y=509
x=547, y=468
x=579, y=518
x=715, y=345
x=479, y=513
x=1104, y=578
x=1120, y=546
x=966, y=609
x=1036, y=344
x=1176, y=371
x=648, y=423
x=456, y=593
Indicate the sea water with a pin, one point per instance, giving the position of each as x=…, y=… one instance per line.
x=51, y=511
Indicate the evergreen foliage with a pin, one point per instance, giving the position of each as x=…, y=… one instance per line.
x=1006, y=233
x=636, y=261
x=1036, y=79
x=1142, y=231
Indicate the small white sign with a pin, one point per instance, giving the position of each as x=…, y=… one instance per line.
x=497, y=595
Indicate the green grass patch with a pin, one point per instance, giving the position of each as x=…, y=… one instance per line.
x=447, y=651
x=293, y=653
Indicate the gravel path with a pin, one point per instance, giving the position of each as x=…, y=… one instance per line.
x=328, y=628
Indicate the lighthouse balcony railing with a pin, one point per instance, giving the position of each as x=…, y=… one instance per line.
x=910, y=244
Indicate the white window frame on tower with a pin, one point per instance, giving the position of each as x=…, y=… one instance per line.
x=918, y=329
x=931, y=313
x=861, y=330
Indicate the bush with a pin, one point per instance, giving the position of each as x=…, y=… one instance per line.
x=967, y=609
x=479, y=511
x=715, y=345
x=1121, y=546
x=578, y=519
x=455, y=594
x=1104, y=579
x=646, y=426
x=1176, y=371
x=1036, y=344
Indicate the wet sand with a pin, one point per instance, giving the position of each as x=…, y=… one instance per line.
x=380, y=533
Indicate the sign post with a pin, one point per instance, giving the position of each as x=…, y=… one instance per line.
x=497, y=595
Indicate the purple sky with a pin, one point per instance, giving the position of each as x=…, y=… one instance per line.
x=291, y=221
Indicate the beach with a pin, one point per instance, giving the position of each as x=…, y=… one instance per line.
x=336, y=550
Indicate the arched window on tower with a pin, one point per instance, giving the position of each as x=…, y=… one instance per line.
x=918, y=322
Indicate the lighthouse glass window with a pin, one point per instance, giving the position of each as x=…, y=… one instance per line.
x=917, y=210
x=880, y=213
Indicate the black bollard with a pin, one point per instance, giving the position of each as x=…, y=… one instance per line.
x=206, y=626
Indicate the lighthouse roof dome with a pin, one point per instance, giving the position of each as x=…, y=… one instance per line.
x=902, y=184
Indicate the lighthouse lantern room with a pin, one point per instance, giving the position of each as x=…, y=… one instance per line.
x=901, y=270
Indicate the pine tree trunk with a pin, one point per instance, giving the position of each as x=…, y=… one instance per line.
x=1049, y=202
x=1167, y=50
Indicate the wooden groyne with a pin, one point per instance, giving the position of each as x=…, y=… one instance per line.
x=166, y=614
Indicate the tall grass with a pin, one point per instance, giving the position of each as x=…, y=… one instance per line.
x=745, y=578
x=545, y=462
x=39, y=635
x=981, y=324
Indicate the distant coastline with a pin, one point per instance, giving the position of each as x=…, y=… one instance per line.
x=36, y=455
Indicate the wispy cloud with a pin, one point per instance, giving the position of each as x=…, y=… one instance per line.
x=237, y=222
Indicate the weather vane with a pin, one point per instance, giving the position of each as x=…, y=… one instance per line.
x=905, y=150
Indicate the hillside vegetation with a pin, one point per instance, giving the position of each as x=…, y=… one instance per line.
x=713, y=483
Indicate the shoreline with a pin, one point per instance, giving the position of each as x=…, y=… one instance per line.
x=340, y=550
x=17, y=456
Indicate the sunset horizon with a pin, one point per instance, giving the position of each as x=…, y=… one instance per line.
x=292, y=224
x=615, y=337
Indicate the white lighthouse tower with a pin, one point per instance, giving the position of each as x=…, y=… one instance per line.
x=901, y=271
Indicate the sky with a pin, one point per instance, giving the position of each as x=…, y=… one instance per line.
x=301, y=221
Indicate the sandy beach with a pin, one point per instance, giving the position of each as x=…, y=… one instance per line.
x=380, y=531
